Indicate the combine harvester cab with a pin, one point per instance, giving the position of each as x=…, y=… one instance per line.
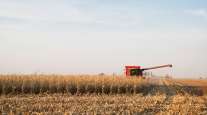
x=137, y=71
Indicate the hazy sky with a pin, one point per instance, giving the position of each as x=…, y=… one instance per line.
x=93, y=36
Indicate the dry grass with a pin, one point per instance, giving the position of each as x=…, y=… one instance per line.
x=35, y=84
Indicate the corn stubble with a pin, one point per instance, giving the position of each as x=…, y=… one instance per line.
x=60, y=104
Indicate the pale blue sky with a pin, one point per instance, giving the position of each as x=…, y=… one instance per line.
x=93, y=36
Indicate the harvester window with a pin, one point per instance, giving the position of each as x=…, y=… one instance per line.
x=134, y=72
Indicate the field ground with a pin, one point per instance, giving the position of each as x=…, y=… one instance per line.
x=155, y=96
x=104, y=104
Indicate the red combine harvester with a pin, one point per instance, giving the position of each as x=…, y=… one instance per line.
x=138, y=71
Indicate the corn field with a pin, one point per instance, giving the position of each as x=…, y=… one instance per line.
x=100, y=95
x=36, y=84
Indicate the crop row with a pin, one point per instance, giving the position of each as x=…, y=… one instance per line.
x=35, y=84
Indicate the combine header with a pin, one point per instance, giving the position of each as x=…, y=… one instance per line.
x=138, y=71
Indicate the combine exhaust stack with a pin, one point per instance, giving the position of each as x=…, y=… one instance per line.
x=137, y=71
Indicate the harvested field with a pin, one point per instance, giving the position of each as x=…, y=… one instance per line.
x=103, y=104
x=195, y=82
x=56, y=94
x=199, y=84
